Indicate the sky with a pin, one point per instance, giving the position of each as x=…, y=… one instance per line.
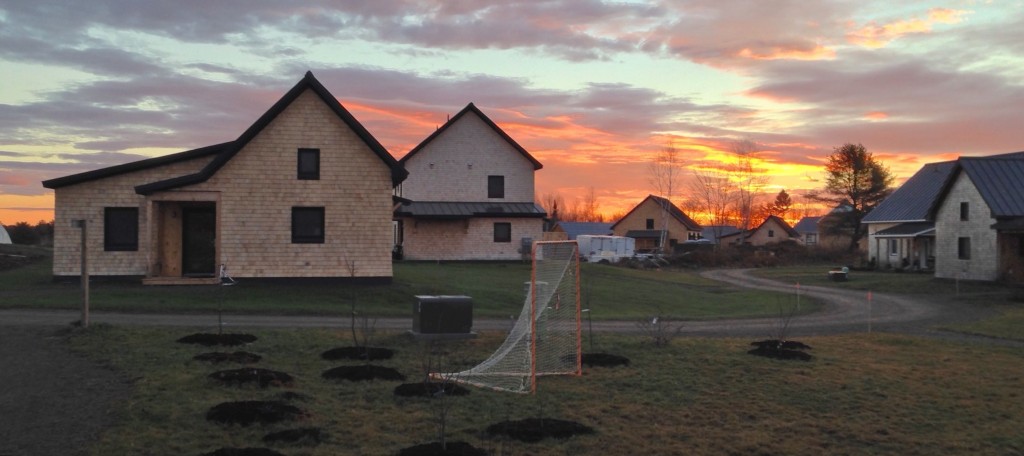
x=592, y=89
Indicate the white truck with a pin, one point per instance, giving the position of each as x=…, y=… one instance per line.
x=605, y=249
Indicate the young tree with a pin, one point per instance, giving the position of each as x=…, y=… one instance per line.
x=856, y=179
x=664, y=173
x=780, y=207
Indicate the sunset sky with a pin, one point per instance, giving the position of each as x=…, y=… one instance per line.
x=592, y=89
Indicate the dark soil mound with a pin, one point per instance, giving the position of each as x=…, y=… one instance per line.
x=362, y=372
x=239, y=357
x=209, y=340
x=604, y=360
x=429, y=389
x=249, y=412
x=434, y=449
x=537, y=429
x=292, y=396
x=243, y=452
x=785, y=344
x=780, y=353
x=359, y=353
x=252, y=375
x=300, y=436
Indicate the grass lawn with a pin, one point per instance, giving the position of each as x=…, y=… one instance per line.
x=878, y=394
x=496, y=288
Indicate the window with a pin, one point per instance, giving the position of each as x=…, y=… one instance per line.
x=495, y=186
x=121, y=229
x=309, y=164
x=894, y=247
x=650, y=224
x=307, y=225
x=502, y=232
x=812, y=239
x=771, y=233
x=963, y=248
x=965, y=211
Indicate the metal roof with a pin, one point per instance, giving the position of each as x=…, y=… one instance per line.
x=915, y=198
x=912, y=229
x=441, y=210
x=573, y=229
x=645, y=234
x=1000, y=182
x=807, y=225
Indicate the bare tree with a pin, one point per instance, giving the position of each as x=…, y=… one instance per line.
x=664, y=173
x=712, y=195
x=750, y=180
x=857, y=180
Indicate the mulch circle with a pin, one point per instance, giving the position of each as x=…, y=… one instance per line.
x=430, y=389
x=226, y=339
x=252, y=375
x=243, y=452
x=299, y=436
x=434, y=449
x=358, y=353
x=537, y=429
x=604, y=360
x=362, y=372
x=239, y=357
x=248, y=412
x=781, y=349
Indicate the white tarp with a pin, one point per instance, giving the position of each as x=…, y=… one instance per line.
x=4, y=237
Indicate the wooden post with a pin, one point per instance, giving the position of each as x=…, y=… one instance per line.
x=84, y=272
x=869, y=311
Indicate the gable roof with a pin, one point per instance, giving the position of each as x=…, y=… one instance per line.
x=573, y=229
x=1000, y=182
x=713, y=232
x=398, y=172
x=771, y=218
x=666, y=205
x=472, y=108
x=912, y=202
x=136, y=166
x=444, y=210
x=807, y=225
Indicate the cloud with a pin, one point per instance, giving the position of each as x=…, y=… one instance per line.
x=874, y=35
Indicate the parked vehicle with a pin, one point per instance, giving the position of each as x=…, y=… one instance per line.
x=605, y=249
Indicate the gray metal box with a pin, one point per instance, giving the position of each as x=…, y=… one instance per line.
x=442, y=315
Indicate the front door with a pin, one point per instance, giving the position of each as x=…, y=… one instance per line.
x=198, y=241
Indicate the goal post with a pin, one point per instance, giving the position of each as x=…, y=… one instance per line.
x=546, y=339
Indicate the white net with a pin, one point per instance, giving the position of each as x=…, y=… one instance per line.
x=546, y=338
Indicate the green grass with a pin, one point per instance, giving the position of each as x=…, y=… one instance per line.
x=497, y=290
x=878, y=394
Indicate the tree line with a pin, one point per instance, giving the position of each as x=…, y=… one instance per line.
x=28, y=234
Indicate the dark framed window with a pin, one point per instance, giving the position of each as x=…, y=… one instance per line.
x=771, y=233
x=963, y=248
x=121, y=229
x=495, y=186
x=309, y=164
x=650, y=224
x=502, y=232
x=894, y=247
x=965, y=211
x=307, y=225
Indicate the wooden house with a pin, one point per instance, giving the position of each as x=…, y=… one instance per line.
x=469, y=195
x=305, y=192
x=657, y=225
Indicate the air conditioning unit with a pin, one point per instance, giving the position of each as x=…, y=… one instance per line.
x=442, y=315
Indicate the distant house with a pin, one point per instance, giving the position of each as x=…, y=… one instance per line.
x=653, y=220
x=573, y=229
x=713, y=232
x=979, y=220
x=807, y=227
x=470, y=194
x=304, y=192
x=901, y=232
x=772, y=230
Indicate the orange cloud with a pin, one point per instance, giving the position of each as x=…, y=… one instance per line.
x=818, y=52
x=876, y=115
x=877, y=36
x=31, y=209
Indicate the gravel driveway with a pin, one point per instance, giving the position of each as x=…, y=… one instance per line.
x=54, y=402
